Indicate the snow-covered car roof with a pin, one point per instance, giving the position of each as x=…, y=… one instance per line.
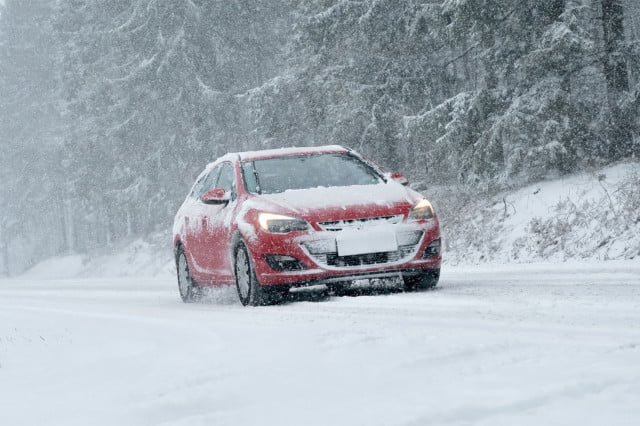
x=276, y=152
x=281, y=152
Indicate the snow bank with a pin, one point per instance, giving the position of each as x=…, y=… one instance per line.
x=149, y=258
x=587, y=216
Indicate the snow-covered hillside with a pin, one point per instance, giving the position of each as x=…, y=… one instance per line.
x=587, y=216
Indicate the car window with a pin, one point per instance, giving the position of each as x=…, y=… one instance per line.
x=226, y=179
x=249, y=176
x=197, y=187
x=207, y=183
x=273, y=175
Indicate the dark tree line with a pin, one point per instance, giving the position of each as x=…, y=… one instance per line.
x=109, y=108
x=483, y=92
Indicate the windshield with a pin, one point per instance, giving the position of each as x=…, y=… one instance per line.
x=273, y=175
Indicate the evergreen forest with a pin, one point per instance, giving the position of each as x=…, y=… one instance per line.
x=110, y=108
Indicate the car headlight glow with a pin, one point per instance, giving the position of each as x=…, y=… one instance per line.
x=422, y=210
x=280, y=224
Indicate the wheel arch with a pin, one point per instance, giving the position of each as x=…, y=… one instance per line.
x=236, y=238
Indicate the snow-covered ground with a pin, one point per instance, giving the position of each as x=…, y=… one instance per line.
x=501, y=345
x=103, y=339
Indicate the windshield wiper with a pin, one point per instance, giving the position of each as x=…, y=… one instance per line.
x=255, y=175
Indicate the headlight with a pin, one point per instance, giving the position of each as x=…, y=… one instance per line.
x=422, y=210
x=281, y=224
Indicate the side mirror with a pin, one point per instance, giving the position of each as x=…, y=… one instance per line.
x=400, y=178
x=216, y=196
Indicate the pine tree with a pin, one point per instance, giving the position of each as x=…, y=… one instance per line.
x=620, y=139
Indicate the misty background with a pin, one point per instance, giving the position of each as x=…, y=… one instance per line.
x=109, y=109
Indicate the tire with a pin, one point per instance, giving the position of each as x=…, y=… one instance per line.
x=426, y=280
x=249, y=290
x=189, y=290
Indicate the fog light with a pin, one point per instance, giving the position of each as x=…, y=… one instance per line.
x=281, y=262
x=410, y=238
x=432, y=250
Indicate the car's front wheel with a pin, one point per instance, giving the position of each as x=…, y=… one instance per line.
x=425, y=280
x=249, y=290
x=189, y=290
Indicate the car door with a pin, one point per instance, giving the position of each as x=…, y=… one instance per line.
x=217, y=218
x=196, y=225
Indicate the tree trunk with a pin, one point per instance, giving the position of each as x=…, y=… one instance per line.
x=615, y=70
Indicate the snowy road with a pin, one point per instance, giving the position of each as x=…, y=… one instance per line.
x=519, y=345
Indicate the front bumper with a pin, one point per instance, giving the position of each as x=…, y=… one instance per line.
x=320, y=266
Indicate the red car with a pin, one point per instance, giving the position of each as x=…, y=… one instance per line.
x=270, y=220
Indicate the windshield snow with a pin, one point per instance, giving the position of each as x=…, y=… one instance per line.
x=274, y=175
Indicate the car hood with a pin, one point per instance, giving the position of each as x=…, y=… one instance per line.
x=340, y=203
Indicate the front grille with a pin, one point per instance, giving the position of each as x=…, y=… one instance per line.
x=338, y=225
x=332, y=258
x=363, y=259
